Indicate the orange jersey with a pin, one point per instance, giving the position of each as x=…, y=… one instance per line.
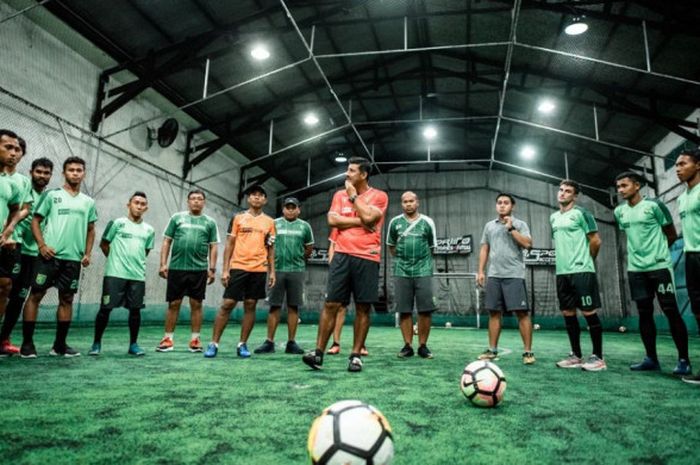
x=253, y=234
x=358, y=241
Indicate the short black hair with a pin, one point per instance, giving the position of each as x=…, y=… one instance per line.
x=635, y=177
x=196, y=191
x=572, y=183
x=363, y=163
x=23, y=145
x=503, y=194
x=8, y=133
x=43, y=161
x=692, y=153
x=138, y=194
x=72, y=160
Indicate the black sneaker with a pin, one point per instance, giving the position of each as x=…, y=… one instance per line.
x=293, y=348
x=66, y=351
x=406, y=352
x=266, y=347
x=424, y=352
x=313, y=358
x=27, y=351
x=695, y=379
x=355, y=364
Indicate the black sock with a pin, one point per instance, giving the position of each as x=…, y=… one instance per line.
x=595, y=328
x=101, y=321
x=28, y=332
x=574, y=331
x=679, y=331
x=12, y=312
x=62, y=328
x=647, y=327
x=134, y=324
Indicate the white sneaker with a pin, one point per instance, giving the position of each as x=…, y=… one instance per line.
x=594, y=363
x=571, y=361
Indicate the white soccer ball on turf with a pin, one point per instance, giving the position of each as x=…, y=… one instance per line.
x=483, y=383
x=350, y=432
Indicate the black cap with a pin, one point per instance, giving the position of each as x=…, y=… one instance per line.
x=292, y=200
x=255, y=188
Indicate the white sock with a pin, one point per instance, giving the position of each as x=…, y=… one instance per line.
x=240, y=344
x=170, y=335
x=195, y=335
x=216, y=344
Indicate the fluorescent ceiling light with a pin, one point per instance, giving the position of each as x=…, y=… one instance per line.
x=546, y=106
x=311, y=119
x=576, y=26
x=260, y=52
x=528, y=152
x=430, y=133
x=340, y=158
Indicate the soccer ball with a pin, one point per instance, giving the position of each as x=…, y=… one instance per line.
x=536, y=326
x=483, y=383
x=448, y=325
x=623, y=329
x=350, y=432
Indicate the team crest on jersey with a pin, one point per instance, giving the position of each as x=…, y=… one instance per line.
x=40, y=279
x=105, y=299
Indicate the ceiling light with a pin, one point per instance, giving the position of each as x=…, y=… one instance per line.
x=260, y=52
x=311, y=119
x=430, y=133
x=340, y=158
x=576, y=26
x=528, y=152
x=546, y=106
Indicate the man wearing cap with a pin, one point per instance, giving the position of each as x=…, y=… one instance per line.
x=249, y=264
x=294, y=241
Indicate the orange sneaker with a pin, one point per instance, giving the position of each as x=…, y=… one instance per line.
x=196, y=345
x=7, y=349
x=364, y=352
x=166, y=345
x=334, y=350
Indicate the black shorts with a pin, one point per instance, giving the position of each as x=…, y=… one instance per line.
x=63, y=274
x=186, y=283
x=645, y=285
x=578, y=291
x=246, y=285
x=10, y=262
x=692, y=271
x=289, y=284
x=352, y=275
x=120, y=292
x=505, y=294
x=22, y=282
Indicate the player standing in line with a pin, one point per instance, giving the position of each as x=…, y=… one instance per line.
x=576, y=244
x=65, y=243
x=688, y=171
x=125, y=242
x=249, y=262
x=411, y=238
x=358, y=213
x=41, y=171
x=10, y=202
x=193, y=237
x=294, y=242
x=649, y=228
x=502, y=245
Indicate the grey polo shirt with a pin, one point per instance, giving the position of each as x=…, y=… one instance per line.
x=505, y=255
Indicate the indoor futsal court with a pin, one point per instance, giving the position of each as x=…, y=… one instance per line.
x=350, y=231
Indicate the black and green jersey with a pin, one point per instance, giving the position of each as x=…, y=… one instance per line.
x=570, y=231
x=290, y=239
x=128, y=244
x=66, y=219
x=191, y=236
x=689, y=210
x=23, y=231
x=24, y=185
x=413, y=241
x=9, y=195
x=647, y=246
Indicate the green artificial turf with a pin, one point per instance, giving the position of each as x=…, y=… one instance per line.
x=178, y=408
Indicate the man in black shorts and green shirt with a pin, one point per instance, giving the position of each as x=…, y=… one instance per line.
x=294, y=242
x=649, y=228
x=193, y=237
x=576, y=243
x=411, y=238
x=125, y=242
x=65, y=242
x=41, y=171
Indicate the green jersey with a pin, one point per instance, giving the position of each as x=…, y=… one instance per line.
x=129, y=243
x=570, y=231
x=23, y=231
x=24, y=185
x=647, y=246
x=290, y=239
x=413, y=241
x=191, y=236
x=9, y=195
x=689, y=209
x=66, y=218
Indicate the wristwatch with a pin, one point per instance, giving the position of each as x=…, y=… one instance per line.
x=352, y=198
x=511, y=229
